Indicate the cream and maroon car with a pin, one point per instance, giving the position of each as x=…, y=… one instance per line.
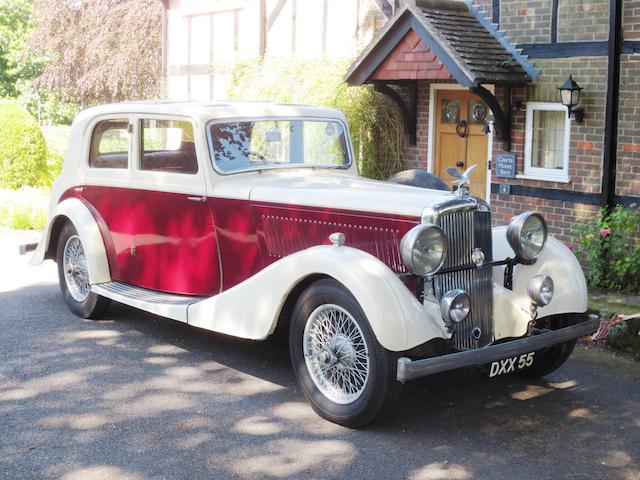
x=244, y=218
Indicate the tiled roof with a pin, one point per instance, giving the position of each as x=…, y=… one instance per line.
x=468, y=45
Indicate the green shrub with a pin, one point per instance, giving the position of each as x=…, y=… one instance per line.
x=608, y=243
x=625, y=336
x=23, y=152
x=375, y=122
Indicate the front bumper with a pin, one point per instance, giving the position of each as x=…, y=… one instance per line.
x=410, y=369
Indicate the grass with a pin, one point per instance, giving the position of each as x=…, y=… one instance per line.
x=612, y=362
x=598, y=305
x=22, y=216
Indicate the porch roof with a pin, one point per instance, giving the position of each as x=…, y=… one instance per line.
x=471, y=49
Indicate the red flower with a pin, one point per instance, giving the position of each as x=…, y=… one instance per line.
x=569, y=246
x=605, y=232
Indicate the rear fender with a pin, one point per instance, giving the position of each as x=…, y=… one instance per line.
x=86, y=225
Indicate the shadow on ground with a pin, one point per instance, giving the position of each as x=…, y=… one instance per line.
x=138, y=396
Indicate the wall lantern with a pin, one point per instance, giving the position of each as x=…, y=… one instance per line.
x=570, y=95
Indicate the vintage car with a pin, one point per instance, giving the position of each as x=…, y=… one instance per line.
x=244, y=218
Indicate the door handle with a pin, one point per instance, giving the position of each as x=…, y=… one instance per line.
x=198, y=199
x=459, y=164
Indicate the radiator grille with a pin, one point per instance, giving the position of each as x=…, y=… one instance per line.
x=466, y=231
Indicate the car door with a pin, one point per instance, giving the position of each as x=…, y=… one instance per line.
x=173, y=248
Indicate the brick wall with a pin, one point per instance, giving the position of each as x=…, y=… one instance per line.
x=583, y=20
x=415, y=156
x=560, y=216
x=586, y=144
x=631, y=19
x=526, y=21
x=485, y=7
x=628, y=171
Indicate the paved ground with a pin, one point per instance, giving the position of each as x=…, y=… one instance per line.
x=135, y=396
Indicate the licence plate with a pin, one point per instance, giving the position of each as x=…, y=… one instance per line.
x=510, y=365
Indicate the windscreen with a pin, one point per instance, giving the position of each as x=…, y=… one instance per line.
x=257, y=144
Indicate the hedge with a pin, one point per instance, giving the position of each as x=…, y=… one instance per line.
x=23, y=151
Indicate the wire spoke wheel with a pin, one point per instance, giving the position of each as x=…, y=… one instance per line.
x=336, y=354
x=76, y=273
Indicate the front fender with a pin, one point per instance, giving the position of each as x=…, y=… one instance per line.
x=251, y=309
x=88, y=231
x=512, y=307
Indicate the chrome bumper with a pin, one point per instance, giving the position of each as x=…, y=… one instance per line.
x=410, y=369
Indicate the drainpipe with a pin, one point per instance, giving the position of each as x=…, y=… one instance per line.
x=614, y=47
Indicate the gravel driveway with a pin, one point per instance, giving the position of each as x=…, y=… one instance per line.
x=136, y=396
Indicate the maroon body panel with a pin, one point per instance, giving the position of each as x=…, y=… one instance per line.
x=159, y=240
x=164, y=242
x=283, y=230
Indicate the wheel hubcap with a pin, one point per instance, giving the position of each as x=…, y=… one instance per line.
x=76, y=274
x=336, y=354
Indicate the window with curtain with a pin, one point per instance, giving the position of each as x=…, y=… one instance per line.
x=547, y=142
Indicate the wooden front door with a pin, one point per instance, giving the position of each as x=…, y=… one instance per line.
x=459, y=139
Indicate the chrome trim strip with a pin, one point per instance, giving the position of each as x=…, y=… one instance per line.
x=452, y=203
x=411, y=369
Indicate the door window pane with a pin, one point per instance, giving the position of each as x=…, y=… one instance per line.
x=548, y=142
x=110, y=144
x=450, y=111
x=167, y=146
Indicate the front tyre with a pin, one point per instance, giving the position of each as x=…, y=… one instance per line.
x=73, y=274
x=548, y=360
x=551, y=358
x=343, y=371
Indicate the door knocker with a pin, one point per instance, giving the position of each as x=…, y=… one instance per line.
x=462, y=128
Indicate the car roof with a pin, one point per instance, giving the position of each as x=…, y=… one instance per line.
x=209, y=110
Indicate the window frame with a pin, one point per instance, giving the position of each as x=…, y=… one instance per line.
x=172, y=182
x=538, y=173
x=140, y=143
x=289, y=118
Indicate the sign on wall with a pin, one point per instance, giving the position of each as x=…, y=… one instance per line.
x=506, y=165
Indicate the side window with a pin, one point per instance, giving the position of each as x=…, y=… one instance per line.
x=547, y=140
x=110, y=144
x=167, y=146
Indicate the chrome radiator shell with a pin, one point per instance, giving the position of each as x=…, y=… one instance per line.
x=466, y=221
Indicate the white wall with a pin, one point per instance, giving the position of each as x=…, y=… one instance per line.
x=205, y=37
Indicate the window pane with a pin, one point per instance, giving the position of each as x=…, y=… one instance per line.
x=256, y=144
x=548, y=140
x=167, y=146
x=110, y=144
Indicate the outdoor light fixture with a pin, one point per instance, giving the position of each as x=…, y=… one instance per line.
x=570, y=95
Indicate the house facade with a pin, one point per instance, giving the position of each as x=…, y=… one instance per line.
x=477, y=83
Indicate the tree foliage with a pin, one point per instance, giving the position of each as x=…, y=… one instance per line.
x=99, y=50
x=15, y=66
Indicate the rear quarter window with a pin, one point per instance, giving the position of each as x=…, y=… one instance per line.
x=110, y=144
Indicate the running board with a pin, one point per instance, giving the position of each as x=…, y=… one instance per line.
x=163, y=304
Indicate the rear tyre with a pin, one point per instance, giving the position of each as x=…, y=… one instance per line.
x=343, y=371
x=73, y=274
